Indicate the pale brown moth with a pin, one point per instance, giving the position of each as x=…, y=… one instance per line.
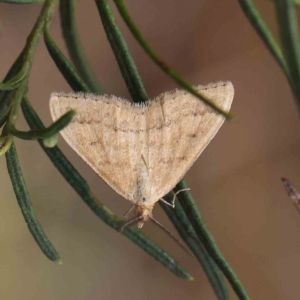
x=142, y=150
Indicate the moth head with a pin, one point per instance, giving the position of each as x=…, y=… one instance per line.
x=145, y=212
x=142, y=213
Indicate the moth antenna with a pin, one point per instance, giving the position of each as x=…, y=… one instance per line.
x=130, y=222
x=172, y=236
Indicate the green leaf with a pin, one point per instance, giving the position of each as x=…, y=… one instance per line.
x=45, y=133
x=66, y=69
x=5, y=110
x=5, y=143
x=147, y=48
x=16, y=80
x=75, y=49
x=5, y=96
x=126, y=64
x=189, y=206
x=50, y=141
x=267, y=37
x=25, y=204
x=16, y=99
x=79, y=184
x=187, y=233
x=289, y=35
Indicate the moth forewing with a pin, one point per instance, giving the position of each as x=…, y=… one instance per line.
x=142, y=150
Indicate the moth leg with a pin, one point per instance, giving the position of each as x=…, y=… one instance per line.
x=172, y=204
x=168, y=203
x=130, y=223
x=129, y=211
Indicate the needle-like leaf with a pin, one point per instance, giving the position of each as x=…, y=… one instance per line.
x=168, y=70
x=25, y=204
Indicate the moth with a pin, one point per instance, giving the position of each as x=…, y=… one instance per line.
x=142, y=150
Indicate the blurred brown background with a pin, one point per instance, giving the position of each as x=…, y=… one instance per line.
x=236, y=181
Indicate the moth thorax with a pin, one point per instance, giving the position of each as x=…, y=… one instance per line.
x=143, y=185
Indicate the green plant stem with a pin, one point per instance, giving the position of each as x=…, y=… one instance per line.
x=15, y=102
x=144, y=44
x=190, y=208
x=78, y=183
x=123, y=56
x=28, y=55
x=16, y=80
x=75, y=49
x=52, y=130
x=38, y=29
x=10, y=101
x=188, y=234
x=288, y=29
x=5, y=143
x=5, y=95
x=25, y=204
